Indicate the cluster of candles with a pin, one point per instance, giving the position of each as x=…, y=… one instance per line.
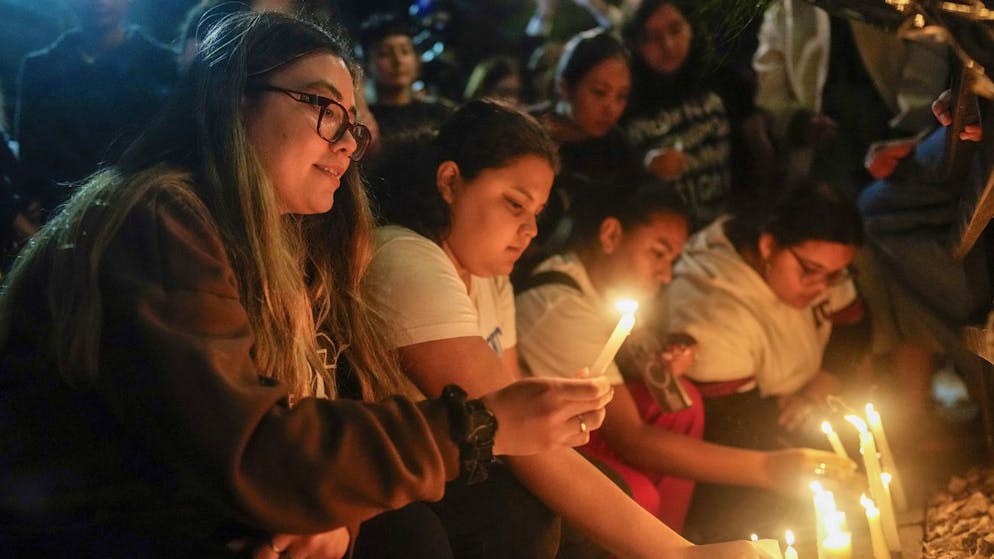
x=834, y=537
x=886, y=493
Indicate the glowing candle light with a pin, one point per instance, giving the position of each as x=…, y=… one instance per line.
x=877, y=540
x=886, y=456
x=877, y=490
x=825, y=512
x=790, y=552
x=768, y=547
x=838, y=545
x=833, y=439
x=627, y=307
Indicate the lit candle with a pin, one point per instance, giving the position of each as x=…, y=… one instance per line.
x=790, y=552
x=838, y=545
x=833, y=439
x=627, y=307
x=769, y=548
x=886, y=456
x=875, y=482
x=877, y=540
x=825, y=511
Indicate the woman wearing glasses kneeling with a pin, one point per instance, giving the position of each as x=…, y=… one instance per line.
x=173, y=342
x=760, y=295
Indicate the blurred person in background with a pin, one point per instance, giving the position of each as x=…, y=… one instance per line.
x=82, y=98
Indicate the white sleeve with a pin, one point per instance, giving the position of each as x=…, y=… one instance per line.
x=773, y=91
x=729, y=339
x=562, y=333
x=505, y=311
x=414, y=285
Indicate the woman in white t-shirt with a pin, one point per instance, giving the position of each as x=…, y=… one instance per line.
x=463, y=207
x=761, y=294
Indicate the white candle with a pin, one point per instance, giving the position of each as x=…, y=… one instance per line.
x=825, y=511
x=877, y=540
x=790, y=552
x=886, y=456
x=873, y=479
x=621, y=331
x=838, y=545
x=833, y=439
x=769, y=547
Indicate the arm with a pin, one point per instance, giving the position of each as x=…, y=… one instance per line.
x=601, y=510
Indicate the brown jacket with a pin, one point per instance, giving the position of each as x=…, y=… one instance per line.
x=178, y=446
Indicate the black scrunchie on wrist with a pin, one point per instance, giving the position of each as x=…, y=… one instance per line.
x=472, y=428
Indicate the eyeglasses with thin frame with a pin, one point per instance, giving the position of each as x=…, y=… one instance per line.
x=811, y=273
x=333, y=118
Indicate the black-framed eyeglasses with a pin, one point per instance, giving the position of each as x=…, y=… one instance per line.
x=333, y=118
x=812, y=273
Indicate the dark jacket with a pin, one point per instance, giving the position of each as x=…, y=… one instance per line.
x=180, y=446
x=74, y=113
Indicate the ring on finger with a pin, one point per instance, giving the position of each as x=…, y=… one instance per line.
x=583, y=424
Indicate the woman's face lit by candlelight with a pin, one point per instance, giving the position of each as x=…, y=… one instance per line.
x=640, y=259
x=799, y=274
x=305, y=169
x=493, y=215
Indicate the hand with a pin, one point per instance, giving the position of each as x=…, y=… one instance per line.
x=795, y=410
x=667, y=163
x=820, y=129
x=882, y=157
x=789, y=471
x=538, y=414
x=326, y=545
x=679, y=354
x=940, y=108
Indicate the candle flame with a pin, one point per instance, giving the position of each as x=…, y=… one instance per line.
x=826, y=428
x=789, y=538
x=754, y=537
x=867, y=503
x=872, y=414
x=627, y=306
x=857, y=422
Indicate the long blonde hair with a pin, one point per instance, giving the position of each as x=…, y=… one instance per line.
x=296, y=275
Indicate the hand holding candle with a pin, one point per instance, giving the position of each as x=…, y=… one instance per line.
x=627, y=307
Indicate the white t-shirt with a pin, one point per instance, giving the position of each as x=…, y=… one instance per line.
x=561, y=329
x=416, y=287
x=743, y=329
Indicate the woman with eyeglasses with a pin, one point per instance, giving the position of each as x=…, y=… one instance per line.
x=760, y=295
x=174, y=340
